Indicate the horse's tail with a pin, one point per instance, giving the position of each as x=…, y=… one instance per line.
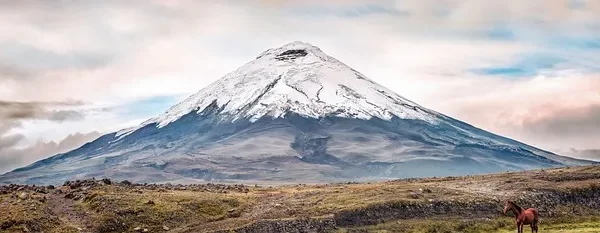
x=535, y=216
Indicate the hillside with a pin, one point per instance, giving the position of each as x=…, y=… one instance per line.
x=567, y=198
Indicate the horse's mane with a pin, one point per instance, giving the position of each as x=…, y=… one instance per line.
x=519, y=209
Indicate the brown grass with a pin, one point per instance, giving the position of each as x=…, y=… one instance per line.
x=117, y=208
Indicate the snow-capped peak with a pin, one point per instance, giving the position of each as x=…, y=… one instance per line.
x=297, y=77
x=294, y=46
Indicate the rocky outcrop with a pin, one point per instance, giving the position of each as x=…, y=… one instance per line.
x=549, y=201
x=384, y=212
x=5, y=189
x=289, y=225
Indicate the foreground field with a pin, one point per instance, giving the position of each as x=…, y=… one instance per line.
x=568, y=200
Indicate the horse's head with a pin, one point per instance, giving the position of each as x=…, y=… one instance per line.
x=507, y=206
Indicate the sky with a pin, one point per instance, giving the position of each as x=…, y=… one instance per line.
x=71, y=71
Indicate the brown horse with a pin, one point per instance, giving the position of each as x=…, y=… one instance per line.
x=523, y=217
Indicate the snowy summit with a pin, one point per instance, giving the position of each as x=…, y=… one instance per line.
x=297, y=77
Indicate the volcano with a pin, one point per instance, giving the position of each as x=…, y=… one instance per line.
x=292, y=115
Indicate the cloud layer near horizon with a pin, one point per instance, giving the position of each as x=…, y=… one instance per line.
x=527, y=70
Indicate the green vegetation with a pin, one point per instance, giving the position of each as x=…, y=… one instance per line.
x=25, y=212
x=150, y=209
x=497, y=225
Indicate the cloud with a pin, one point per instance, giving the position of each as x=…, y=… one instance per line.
x=95, y=52
x=477, y=13
x=10, y=140
x=549, y=112
x=12, y=116
x=584, y=121
x=13, y=73
x=12, y=110
x=11, y=157
x=590, y=154
x=30, y=58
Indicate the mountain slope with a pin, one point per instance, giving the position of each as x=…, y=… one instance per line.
x=293, y=114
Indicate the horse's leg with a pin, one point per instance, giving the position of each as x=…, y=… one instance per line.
x=531, y=227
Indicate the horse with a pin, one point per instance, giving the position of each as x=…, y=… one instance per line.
x=523, y=216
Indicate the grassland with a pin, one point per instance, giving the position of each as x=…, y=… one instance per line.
x=568, y=200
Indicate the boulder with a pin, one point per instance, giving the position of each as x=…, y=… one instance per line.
x=24, y=196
